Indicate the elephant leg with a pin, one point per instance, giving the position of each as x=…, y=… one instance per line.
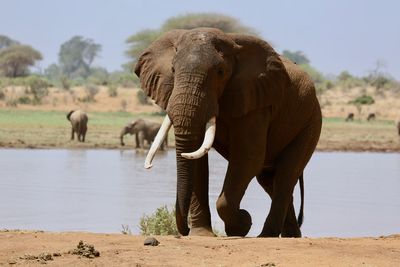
x=140, y=139
x=72, y=134
x=246, y=155
x=137, y=140
x=288, y=167
x=237, y=221
x=291, y=227
x=84, y=134
x=200, y=216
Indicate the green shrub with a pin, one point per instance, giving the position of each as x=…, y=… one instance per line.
x=38, y=87
x=363, y=100
x=162, y=222
x=91, y=91
x=24, y=100
x=112, y=90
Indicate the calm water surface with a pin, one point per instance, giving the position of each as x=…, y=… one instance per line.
x=346, y=194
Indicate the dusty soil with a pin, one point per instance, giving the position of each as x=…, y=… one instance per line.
x=33, y=249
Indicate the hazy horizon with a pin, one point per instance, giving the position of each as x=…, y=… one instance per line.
x=335, y=35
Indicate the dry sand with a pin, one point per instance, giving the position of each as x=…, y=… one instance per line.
x=18, y=247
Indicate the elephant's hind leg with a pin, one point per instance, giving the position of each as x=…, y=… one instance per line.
x=288, y=167
x=291, y=227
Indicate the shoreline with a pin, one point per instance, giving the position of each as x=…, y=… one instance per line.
x=79, y=146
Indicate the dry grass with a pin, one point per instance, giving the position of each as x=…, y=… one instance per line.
x=45, y=125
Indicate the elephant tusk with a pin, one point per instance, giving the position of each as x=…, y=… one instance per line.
x=207, y=143
x=158, y=140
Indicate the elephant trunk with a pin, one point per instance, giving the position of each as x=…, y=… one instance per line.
x=121, y=137
x=186, y=169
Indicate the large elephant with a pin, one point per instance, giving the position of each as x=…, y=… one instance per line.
x=256, y=108
x=79, y=121
x=144, y=131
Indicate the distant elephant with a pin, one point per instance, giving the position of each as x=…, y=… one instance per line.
x=371, y=116
x=79, y=121
x=144, y=131
x=350, y=117
x=256, y=108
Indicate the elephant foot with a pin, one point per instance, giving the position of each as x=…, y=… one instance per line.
x=291, y=233
x=269, y=231
x=240, y=226
x=201, y=231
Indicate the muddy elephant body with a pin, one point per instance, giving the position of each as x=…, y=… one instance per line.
x=256, y=108
x=79, y=121
x=144, y=131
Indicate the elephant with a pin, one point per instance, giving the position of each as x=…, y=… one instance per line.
x=371, y=117
x=144, y=131
x=79, y=121
x=259, y=110
x=350, y=117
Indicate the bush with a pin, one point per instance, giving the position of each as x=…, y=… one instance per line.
x=112, y=90
x=162, y=222
x=363, y=100
x=143, y=99
x=38, y=88
x=91, y=92
x=24, y=100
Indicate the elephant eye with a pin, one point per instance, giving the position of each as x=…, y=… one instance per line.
x=172, y=69
x=220, y=72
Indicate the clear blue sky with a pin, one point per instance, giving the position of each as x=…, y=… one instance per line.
x=336, y=35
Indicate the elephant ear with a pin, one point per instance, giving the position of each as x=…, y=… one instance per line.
x=258, y=79
x=154, y=67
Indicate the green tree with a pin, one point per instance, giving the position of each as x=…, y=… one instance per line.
x=16, y=59
x=6, y=41
x=298, y=57
x=139, y=41
x=76, y=56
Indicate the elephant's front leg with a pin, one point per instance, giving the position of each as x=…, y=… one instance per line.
x=200, y=216
x=72, y=134
x=246, y=159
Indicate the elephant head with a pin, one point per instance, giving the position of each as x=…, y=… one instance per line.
x=201, y=76
x=132, y=128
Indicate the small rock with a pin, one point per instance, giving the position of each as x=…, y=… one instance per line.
x=151, y=241
x=56, y=254
x=11, y=262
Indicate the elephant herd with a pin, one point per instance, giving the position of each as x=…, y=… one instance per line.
x=144, y=131
x=235, y=93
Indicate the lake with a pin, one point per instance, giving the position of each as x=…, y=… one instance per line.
x=346, y=194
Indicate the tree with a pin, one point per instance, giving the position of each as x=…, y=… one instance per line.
x=139, y=41
x=298, y=57
x=16, y=59
x=76, y=56
x=6, y=41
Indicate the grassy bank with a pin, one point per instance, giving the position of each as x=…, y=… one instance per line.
x=22, y=128
x=46, y=129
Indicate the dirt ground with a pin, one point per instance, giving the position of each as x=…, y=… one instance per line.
x=22, y=248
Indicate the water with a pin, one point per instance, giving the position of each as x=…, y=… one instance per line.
x=346, y=194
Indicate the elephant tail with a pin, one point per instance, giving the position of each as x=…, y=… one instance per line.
x=301, y=217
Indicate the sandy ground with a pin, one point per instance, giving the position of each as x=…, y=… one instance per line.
x=18, y=247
